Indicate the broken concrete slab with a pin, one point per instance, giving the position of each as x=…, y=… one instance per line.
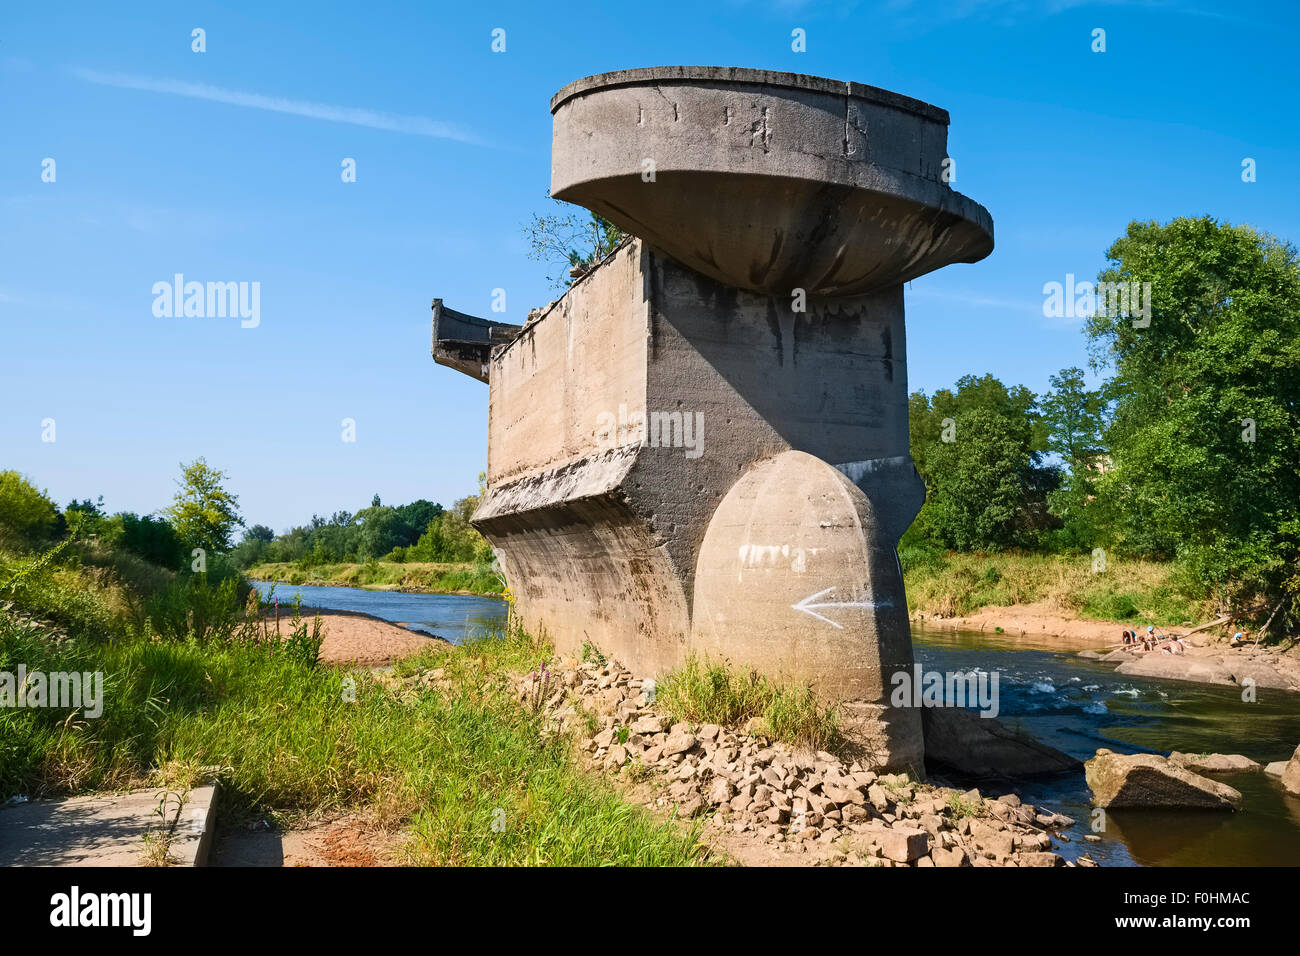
x=961, y=740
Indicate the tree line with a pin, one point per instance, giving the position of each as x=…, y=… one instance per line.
x=204, y=518
x=1188, y=450
x=419, y=531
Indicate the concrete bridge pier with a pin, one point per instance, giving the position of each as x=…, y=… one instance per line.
x=702, y=446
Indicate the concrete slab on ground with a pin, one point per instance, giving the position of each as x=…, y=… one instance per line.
x=108, y=830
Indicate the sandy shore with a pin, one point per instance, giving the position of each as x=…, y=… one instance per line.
x=1032, y=620
x=355, y=638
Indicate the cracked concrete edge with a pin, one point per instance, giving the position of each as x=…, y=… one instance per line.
x=192, y=830
x=744, y=75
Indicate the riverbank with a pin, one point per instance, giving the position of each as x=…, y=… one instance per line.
x=421, y=577
x=1046, y=591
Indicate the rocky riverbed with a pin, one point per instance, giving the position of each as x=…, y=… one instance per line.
x=764, y=802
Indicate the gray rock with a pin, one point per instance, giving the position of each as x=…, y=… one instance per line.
x=1148, y=780
x=650, y=725
x=1291, y=774
x=1214, y=763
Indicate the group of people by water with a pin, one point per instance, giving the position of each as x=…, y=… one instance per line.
x=1151, y=641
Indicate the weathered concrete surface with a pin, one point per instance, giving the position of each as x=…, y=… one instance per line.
x=651, y=550
x=682, y=455
x=768, y=181
x=464, y=342
x=107, y=830
x=961, y=740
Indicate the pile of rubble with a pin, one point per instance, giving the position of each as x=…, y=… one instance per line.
x=742, y=783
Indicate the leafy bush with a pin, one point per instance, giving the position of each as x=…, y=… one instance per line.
x=146, y=536
x=27, y=515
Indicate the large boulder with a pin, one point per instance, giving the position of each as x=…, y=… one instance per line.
x=1291, y=775
x=960, y=740
x=1153, y=782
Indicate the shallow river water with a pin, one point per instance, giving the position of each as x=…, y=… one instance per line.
x=1054, y=696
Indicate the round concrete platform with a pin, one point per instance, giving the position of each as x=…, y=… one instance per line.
x=767, y=181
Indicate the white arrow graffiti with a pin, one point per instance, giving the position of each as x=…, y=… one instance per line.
x=807, y=605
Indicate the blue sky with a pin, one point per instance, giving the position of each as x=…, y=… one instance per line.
x=225, y=166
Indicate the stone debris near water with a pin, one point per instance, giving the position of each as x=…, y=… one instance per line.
x=1291, y=774
x=1214, y=763
x=1152, y=781
x=813, y=805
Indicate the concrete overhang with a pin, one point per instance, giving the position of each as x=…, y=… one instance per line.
x=768, y=181
x=465, y=342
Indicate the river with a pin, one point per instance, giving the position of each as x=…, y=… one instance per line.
x=1054, y=696
x=453, y=617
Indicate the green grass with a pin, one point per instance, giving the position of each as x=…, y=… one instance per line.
x=433, y=577
x=955, y=584
x=439, y=762
x=961, y=807
x=706, y=691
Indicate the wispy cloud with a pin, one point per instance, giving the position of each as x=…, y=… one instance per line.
x=355, y=116
x=976, y=300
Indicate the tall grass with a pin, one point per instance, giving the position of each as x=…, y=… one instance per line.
x=956, y=584
x=708, y=691
x=474, y=777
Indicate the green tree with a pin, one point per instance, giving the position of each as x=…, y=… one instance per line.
x=1075, y=418
x=980, y=484
x=259, y=532
x=979, y=449
x=381, y=530
x=26, y=513
x=1205, y=436
x=203, y=512
x=571, y=242
x=147, y=536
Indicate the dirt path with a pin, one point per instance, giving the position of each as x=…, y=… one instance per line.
x=344, y=841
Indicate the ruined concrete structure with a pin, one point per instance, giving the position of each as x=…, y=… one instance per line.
x=703, y=445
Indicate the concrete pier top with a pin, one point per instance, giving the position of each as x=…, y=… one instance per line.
x=768, y=181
